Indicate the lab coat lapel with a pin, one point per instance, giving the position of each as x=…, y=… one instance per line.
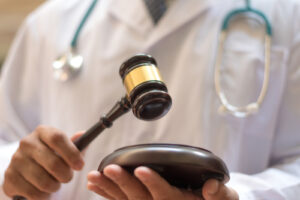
x=132, y=12
x=138, y=18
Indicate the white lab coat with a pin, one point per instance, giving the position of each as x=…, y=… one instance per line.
x=262, y=151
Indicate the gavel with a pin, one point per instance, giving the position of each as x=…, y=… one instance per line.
x=147, y=96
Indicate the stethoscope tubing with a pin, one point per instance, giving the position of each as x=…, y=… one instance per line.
x=82, y=23
x=253, y=107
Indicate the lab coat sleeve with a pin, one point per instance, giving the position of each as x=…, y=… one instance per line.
x=282, y=180
x=15, y=121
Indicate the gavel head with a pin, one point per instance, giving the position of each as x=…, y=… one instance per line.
x=146, y=91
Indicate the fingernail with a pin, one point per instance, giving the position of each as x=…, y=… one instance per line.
x=214, y=187
x=141, y=171
x=79, y=165
x=94, y=173
x=112, y=171
x=90, y=186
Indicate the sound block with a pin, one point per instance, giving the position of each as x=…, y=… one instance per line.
x=182, y=166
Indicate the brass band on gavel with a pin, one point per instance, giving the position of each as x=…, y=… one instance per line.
x=140, y=75
x=146, y=91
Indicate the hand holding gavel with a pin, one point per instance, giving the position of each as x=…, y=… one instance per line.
x=47, y=157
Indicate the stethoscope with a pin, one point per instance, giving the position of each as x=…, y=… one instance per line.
x=69, y=65
x=253, y=107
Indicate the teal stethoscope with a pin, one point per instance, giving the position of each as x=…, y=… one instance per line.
x=69, y=65
x=253, y=107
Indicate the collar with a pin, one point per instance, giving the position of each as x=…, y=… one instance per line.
x=133, y=13
x=137, y=17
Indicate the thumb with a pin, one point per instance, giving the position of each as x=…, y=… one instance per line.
x=214, y=190
x=77, y=135
x=210, y=188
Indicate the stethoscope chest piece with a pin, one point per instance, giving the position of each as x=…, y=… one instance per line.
x=67, y=66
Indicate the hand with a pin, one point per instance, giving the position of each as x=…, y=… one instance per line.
x=117, y=184
x=214, y=190
x=45, y=159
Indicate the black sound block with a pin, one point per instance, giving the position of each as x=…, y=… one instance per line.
x=182, y=166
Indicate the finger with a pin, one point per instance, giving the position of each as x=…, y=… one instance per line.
x=62, y=145
x=46, y=158
x=77, y=135
x=214, y=190
x=106, y=185
x=210, y=188
x=18, y=186
x=96, y=189
x=157, y=186
x=35, y=174
x=130, y=185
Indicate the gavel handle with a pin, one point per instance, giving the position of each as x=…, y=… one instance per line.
x=82, y=142
x=120, y=108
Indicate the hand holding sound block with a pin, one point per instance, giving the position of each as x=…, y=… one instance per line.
x=182, y=166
